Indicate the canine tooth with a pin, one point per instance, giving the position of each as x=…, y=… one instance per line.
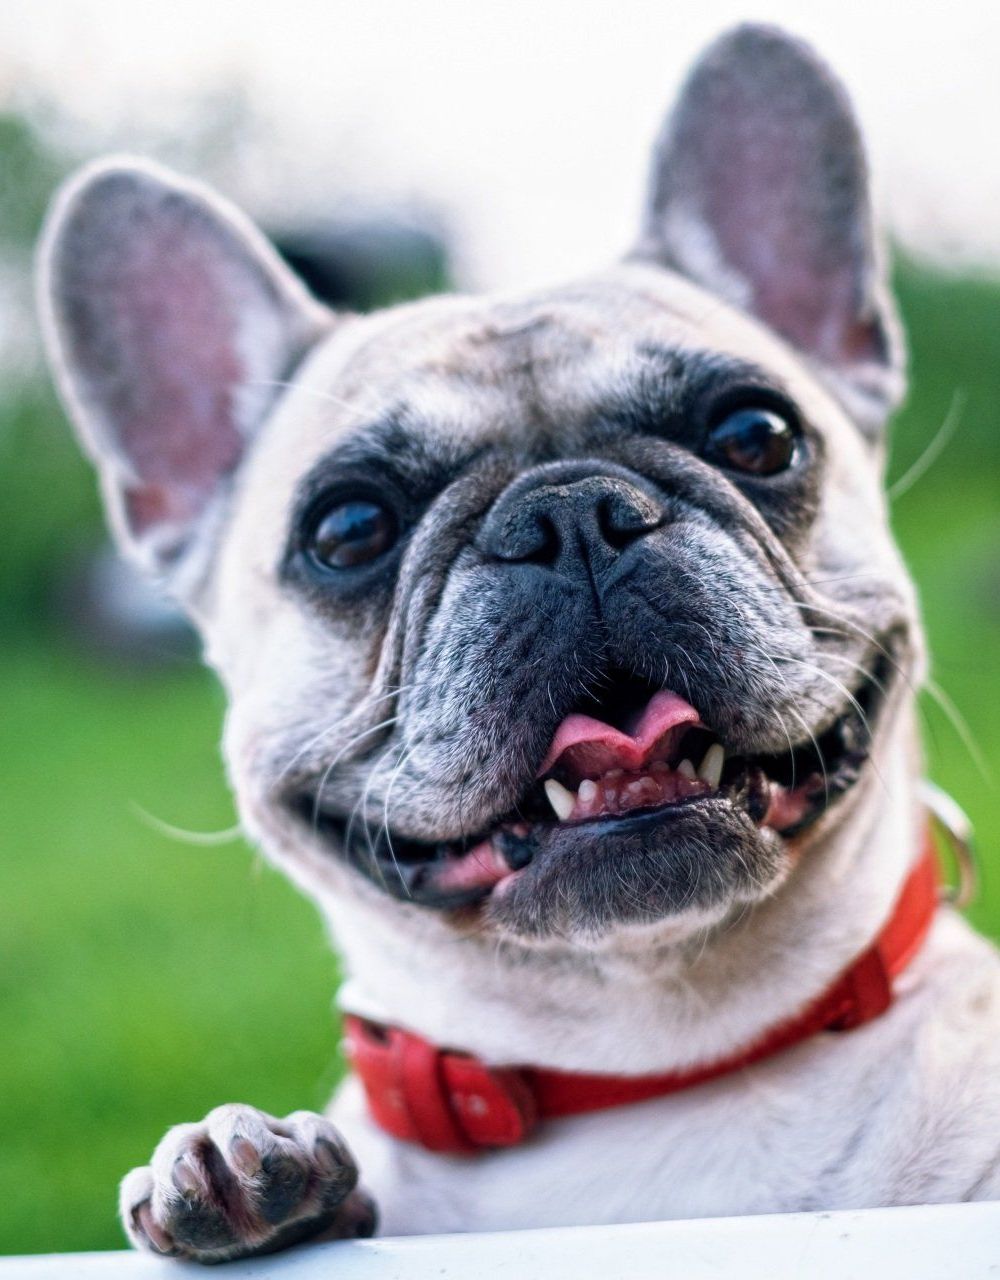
x=588, y=790
x=686, y=770
x=710, y=769
x=561, y=800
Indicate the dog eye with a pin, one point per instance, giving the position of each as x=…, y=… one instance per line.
x=352, y=533
x=754, y=440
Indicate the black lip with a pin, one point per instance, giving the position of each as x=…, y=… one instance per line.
x=702, y=853
x=405, y=867
x=638, y=821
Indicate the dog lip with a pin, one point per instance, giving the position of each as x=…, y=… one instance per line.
x=638, y=819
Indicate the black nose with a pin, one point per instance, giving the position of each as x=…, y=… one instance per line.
x=555, y=513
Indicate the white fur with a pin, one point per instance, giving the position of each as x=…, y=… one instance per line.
x=881, y=1115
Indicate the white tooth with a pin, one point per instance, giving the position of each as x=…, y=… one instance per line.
x=686, y=770
x=560, y=799
x=710, y=769
x=588, y=790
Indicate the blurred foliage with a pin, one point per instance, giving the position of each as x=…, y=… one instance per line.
x=948, y=525
x=30, y=170
x=954, y=351
x=49, y=510
x=142, y=980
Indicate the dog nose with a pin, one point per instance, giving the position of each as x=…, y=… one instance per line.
x=549, y=517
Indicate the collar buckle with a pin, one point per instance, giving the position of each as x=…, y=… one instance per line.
x=952, y=827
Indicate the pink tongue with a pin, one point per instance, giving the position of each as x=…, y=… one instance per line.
x=591, y=747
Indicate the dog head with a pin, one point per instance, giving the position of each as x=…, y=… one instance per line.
x=546, y=616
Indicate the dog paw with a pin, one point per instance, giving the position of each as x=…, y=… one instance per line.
x=242, y=1183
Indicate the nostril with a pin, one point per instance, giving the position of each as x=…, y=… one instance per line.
x=621, y=523
x=533, y=539
x=548, y=543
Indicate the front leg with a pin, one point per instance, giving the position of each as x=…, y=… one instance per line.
x=242, y=1183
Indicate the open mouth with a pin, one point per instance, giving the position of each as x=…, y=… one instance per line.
x=630, y=761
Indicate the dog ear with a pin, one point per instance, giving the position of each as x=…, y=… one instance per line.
x=170, y=322
x=759, y=191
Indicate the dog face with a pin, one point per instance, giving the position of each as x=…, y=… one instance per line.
x=550, y=616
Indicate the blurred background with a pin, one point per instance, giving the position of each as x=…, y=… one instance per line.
x=150, y=966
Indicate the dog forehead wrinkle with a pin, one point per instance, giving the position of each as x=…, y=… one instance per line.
x=648, y=381
x=477, y=339
x=414, y=450
x=436, y=419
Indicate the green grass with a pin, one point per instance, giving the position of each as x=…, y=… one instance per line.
x=143, y=981
x=949, y=527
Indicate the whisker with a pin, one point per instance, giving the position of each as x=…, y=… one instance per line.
x=182, y=835
x=401, y=763
x=961, y=726
x=845, y=577
x=933, y=450
x=837, y=684
x=368, y=705
x=843, y=689
x=853, y=628
x=784, y=728
x=858, y=667
x=349, y=746
x=300, y=386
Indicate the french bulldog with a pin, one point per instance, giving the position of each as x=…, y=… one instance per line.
x=571, y=670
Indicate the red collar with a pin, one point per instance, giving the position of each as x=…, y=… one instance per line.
x=451, y=1102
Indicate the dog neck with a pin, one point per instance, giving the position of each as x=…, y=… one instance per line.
x=640, y=1006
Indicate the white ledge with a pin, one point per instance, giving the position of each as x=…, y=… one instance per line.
x=920, y=1243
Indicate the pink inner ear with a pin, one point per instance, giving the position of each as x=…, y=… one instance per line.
x=796, y=289
x=778, y=222
x=150, y=506
x=173, y=321
x=760, y=192
x=177, y=340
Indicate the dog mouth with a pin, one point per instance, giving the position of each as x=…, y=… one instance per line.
x=632, y=762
